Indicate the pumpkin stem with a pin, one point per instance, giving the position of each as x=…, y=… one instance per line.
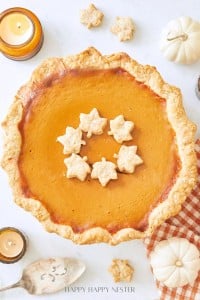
x=179, y=263
x=183, y=37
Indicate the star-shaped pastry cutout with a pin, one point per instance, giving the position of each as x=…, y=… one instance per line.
x=71, y=140
x=124, y=28
x=127, y=159
x=92, y=123
x=104, y=171
x=77, y=167
x=91, y=17
x=121, y=129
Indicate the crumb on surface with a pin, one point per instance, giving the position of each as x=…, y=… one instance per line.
x=121, y=270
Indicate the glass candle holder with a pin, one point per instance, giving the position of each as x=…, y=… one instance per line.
x=13, y=245
x=197, y=89
x=21, y=34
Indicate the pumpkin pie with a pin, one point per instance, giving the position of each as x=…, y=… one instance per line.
x=84, y=211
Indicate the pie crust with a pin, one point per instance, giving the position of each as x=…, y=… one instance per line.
x=184, y=129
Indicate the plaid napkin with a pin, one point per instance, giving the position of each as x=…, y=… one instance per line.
x=185, y=225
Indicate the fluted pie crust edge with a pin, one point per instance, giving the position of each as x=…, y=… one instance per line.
x=184, y=129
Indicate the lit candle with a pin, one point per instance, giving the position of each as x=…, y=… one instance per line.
x=21, y=34
x=12, y=245
x=16, y=29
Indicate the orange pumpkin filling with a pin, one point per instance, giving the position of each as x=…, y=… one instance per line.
x=123, y=203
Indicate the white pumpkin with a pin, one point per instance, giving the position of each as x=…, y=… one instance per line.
x=180, y=40
x=175, y=262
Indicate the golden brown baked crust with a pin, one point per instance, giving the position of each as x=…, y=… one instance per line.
x=148, y=75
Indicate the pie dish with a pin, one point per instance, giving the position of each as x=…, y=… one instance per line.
x=85, y=212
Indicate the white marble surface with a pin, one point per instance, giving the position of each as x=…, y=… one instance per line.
x=65, y=35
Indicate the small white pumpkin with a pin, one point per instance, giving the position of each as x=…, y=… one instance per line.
x=175, y=262
x=180, y=40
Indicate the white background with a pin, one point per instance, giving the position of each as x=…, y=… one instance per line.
x=65, y=35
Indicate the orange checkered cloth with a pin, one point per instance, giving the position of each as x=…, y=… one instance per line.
x=184, y=225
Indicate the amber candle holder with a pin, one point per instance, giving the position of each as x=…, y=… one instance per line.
x=13, y=245
x=21, y=34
